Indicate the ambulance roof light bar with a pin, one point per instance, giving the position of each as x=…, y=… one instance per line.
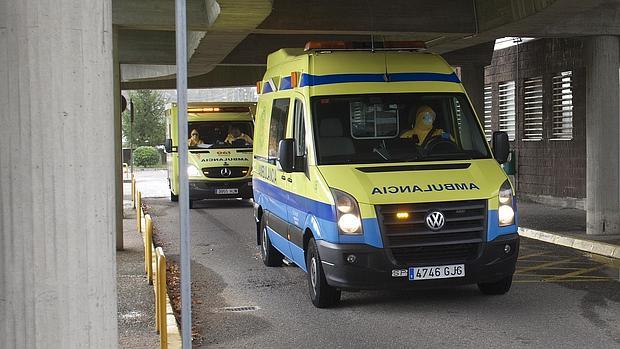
x=365, y=46
x=219, y=110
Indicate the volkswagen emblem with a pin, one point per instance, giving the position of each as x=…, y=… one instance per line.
x=435, y=220
x=225, y=172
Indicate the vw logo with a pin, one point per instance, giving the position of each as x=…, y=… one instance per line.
x=435, y=220
x=225, y=172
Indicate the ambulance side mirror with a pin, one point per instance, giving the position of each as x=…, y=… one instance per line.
x=501, y=146
x=286, y=155
x=168, y=145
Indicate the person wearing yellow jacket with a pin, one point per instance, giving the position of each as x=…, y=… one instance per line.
x=194, y=139
x=236, y=134
x=423, y=128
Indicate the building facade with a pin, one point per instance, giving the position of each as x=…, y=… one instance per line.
x=536, y=92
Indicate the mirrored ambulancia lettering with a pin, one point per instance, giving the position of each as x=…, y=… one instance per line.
x=392, y=189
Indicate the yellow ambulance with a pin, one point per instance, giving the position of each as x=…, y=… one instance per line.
x=371, y=170
x=219, y=154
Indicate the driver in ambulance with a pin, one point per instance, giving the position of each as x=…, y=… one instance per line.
x=423, y=129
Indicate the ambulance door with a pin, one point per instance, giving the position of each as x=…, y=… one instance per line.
x=278, y=198
x=298, y=182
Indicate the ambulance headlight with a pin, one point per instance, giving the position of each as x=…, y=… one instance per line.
x=192, y=171
x=506, y=213
x=347, y=213
x=349, y=223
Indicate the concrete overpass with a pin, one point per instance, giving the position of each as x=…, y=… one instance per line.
x=63, y=62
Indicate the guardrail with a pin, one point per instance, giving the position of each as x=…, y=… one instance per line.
x=155, y=269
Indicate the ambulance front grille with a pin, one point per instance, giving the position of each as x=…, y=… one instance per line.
x=411, y=241
x=225, y=172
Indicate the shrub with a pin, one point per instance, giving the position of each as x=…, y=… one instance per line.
x=146, y=156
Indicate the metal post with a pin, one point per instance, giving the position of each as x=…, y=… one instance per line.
x=131, y=118
x=181, y=48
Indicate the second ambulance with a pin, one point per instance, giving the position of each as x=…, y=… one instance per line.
x=371, y=170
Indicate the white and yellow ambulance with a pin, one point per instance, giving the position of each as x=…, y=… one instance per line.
x=219, y=154
x=371, y=170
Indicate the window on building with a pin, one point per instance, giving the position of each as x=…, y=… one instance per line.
x=488, y=108
x=507, y=109
x=277, y=126
x=533, y=109
x=562, y=128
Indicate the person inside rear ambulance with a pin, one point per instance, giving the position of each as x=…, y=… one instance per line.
x=194, y=139
x=423, y=129
x=235, y=134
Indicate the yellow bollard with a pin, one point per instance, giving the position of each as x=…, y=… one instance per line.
x=139, y=212
x=162, y=292
x=133, y=191
x=156, y=282
x=148, y=240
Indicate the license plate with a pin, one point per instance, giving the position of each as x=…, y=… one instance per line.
x=437, y=272
x=226, y=191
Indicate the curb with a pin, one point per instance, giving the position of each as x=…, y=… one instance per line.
x=172, y=328
x=600, y=248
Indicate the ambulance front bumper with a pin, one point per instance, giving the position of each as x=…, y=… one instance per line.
x=199, y=190
x=375, y=268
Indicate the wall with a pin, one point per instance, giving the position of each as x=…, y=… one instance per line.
x=548, y=169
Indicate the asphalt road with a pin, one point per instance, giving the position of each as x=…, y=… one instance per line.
x=561, y=298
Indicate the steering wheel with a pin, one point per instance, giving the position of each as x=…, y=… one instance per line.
x=440, y=145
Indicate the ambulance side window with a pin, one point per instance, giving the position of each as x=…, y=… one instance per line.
x=277, y=126
x=300, y=128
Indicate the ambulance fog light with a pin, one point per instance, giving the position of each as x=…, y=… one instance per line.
x=506, y=215
x=351, y=258
x=507, y=249
x=349, y=223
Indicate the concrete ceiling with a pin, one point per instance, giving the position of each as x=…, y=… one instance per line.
x=229, y=40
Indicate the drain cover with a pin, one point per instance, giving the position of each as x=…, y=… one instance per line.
x=238, y=309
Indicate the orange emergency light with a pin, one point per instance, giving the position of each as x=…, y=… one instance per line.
x=294, y=79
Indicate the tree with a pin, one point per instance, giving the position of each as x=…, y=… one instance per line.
x=149, y=127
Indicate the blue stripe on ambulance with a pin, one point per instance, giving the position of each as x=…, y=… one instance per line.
x=318, y=216
x=315, y=80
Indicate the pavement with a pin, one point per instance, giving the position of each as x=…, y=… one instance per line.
x=136, y=312
x=561, y=297
x=565, y=227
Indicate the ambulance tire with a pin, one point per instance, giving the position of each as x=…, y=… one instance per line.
x=270, y=256
x=191, y=204
x=496, y=288
x=173, y=197
x=321, y=294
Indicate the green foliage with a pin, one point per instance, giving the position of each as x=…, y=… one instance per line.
x=149, y=126
x=146, y=156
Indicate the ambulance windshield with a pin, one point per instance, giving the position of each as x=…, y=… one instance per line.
x=220, y=134
x=403, y=127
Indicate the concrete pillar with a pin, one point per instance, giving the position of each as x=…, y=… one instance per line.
x=57, y=203
x=118, y=141
x=602, y=135
x=472, y=76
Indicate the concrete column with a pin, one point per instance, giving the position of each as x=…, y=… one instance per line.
x=603, y=135
x=57, y=202
x=118, y=141
x=472, y=76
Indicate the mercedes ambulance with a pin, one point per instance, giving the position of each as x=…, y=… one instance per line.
x=220, y=150
x=371, y=170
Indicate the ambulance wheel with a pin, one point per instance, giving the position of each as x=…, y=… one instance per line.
x=496, y=288
x=173, y=197
x=270, y=256
x=321, y=294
